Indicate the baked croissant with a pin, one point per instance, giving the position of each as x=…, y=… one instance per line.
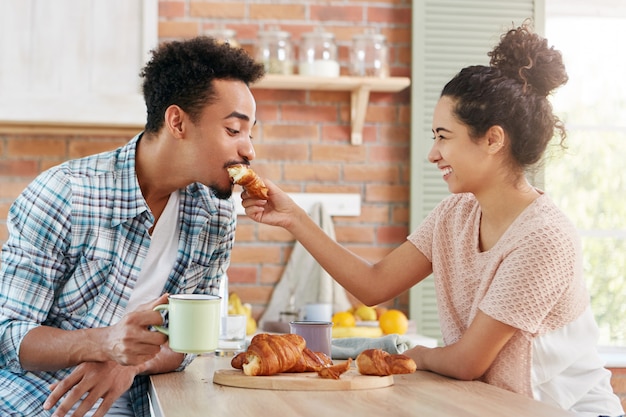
x=272, y=354
x=311, y=361
x=334, y=371
x=244, y=175
x=378, y=362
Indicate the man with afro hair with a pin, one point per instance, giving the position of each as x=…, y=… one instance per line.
x=95, y=243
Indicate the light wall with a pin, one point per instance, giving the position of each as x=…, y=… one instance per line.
x=302, y=139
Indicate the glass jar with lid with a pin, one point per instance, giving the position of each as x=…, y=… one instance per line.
x=224, y=35
x=318, y=54
x=369, y=55
x=274, y=51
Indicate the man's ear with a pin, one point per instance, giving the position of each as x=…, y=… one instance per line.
x=495, y=139
x=174, y=120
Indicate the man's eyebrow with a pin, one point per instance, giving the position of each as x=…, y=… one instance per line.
x=238, y=115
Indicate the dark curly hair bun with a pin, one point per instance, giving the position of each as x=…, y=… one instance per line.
x=525, y=56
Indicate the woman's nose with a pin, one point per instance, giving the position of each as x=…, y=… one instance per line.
x=433, y=154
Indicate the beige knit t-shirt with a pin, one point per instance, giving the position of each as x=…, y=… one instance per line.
x=531, y=279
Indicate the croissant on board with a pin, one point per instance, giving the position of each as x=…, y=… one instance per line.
x=311, y=361
x=334, y=371
x=381, y=363
x=244, y=175
x=272, y=354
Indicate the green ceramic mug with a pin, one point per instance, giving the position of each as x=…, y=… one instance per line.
x=194, y=322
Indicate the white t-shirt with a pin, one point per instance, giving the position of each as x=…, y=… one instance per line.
x=161, y=256
x=153, y=276
x=561, y=357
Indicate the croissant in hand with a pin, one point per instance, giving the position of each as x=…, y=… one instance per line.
x=378, y=362
x=248, y=179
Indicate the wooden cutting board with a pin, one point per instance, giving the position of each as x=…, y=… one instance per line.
x=306, y=381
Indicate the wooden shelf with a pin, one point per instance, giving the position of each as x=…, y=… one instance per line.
x=68, y=128
x=126, y=114
x=360, y=88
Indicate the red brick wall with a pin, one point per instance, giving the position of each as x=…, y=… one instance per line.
x=302, y=139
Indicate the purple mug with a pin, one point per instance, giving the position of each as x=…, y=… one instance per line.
x=317, y=334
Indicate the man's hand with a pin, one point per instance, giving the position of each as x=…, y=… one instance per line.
x=130, y=341
x=106, y=380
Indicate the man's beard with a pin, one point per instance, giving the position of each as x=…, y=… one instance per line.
x=222, y=193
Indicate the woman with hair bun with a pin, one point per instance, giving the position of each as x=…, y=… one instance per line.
x=513, y=306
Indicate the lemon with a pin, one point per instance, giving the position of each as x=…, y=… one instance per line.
x=344, y=319
x=393, y=321
x=356, y=331
x=365, y=313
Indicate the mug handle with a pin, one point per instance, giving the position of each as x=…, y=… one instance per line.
x=162, y=329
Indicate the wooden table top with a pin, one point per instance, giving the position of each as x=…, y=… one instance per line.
x=192, y=393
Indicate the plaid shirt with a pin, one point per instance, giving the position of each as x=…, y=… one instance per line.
x=77, y=237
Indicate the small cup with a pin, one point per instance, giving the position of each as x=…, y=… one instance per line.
x=288, y=316
x=317, y=334
x=318, y=312
x=234, y=337
x=194, y=322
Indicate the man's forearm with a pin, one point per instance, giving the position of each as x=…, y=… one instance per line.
x=49, y=349
x=129, y=342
